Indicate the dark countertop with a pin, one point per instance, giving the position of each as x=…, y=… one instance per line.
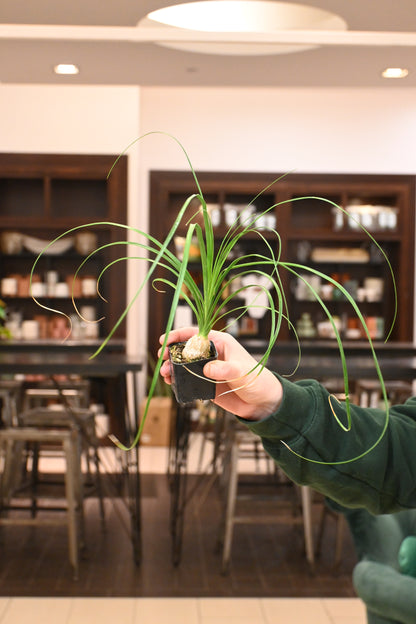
x=318, y=359
x=67, y=362
x=321, y=359
x=61, y=345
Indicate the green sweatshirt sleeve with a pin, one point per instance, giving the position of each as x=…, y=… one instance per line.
x=311, y=447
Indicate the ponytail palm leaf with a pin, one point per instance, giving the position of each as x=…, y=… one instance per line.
x=219, y=296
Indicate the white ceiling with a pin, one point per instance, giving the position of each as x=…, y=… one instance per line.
x=109, y=50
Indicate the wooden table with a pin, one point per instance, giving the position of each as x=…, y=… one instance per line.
x=122, y=369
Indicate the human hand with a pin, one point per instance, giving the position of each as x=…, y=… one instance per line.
x=251, y=395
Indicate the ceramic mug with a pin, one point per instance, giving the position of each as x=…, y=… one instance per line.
x=89, y=287
x=85, y=242
x=61, y=289
x=30, y=330
x=9, y=287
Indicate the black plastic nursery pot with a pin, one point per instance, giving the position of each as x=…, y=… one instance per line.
x=188, y=380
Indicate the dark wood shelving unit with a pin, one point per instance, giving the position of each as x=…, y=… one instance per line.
x=306, y=223
x=44, y=195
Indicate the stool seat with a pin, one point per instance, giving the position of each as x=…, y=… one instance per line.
x=81, y=420
x=74, y=392
x=369, y=392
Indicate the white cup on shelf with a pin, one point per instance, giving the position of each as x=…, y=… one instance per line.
x=61, y=289
x=52, y=278
x=88, y=313
x=9, y=287
x=39, y=289
x=231, y=214
x=89, y=287
x=91, y=331
x=374, y=287
x=85, y=242
x=30, y=330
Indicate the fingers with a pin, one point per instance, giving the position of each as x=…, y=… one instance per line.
x=165, y=371
x=241, y=387
x=233, y=360
x=176, y=335
x=222, y=340
x=179, y=335
x=223, y=371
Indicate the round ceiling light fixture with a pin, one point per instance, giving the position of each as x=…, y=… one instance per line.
x=66, y=69
x=250, y=16
x=395, y=72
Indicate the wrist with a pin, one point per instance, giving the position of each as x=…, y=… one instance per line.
x=273, y=395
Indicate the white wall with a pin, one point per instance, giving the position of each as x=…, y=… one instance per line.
x=309, y=130
x=67, y=119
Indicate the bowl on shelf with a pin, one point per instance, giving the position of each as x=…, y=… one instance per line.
x=37, y=245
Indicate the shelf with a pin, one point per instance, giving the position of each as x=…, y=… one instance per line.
x=58, y=345
x=310, y=221
x=344, y=236
x=337, y=302
x=44, y=195
x=82, y=199
x=48, y=300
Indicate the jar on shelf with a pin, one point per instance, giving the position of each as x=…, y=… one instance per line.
x=305, y=327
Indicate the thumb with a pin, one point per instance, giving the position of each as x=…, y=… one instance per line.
x=222, y=371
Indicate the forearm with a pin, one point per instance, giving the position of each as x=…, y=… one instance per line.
x=305, y=439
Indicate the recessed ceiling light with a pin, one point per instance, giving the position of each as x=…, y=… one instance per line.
x=395, y=72
x=251, y=16
x=67, y=69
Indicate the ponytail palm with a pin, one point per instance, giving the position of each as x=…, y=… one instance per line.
x=220, y=295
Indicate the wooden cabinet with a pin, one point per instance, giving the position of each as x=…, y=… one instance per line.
x=313, y=233
x=41, y=197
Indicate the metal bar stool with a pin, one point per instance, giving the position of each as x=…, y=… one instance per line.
x=81, y=420
x=75, y=392
x=236, y=446
x=14, y=442
x=53, y=402
x=340, y=530
x=369, y=392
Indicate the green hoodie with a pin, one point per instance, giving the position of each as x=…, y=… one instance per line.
x=383, y=481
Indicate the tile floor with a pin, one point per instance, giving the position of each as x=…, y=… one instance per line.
x=77, y=610
x=181, y=611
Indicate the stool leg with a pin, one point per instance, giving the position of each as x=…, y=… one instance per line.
x=341, y=526
x=12, y=465
x=71, y=455
x=34, y=478
x=306, y=496
x=230, y=507
x=79, y=487
x=99, y=486
x=90, y=445
x=7, y=472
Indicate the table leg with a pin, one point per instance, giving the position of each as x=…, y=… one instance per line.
x=131, y=411
x=178, y=478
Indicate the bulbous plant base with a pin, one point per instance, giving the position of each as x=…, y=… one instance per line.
x=188, y=380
